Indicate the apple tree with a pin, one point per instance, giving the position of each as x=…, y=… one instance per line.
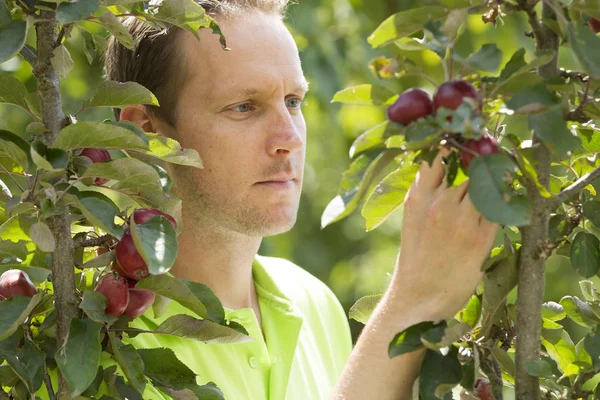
x=537, y=179
x=78, y=268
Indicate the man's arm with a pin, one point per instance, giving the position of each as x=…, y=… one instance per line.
x=444, y=244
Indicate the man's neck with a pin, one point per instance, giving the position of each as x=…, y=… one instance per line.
x=220, y=260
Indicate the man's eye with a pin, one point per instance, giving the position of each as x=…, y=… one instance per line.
x=243, y=108
x=294, y=102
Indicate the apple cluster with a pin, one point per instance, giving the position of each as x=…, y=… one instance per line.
x=414, y=104
x=15, y=281
x=128, y=268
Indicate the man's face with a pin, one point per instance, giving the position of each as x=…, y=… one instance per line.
x=241, y=111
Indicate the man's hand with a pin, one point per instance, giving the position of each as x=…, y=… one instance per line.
x=445, y=241
x=444, y=244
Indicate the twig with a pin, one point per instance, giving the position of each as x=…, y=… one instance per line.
x=574, y=189
x=13, y=178
x=49, y=388
x=490, y=366
x=28, y=54
x=99, y=241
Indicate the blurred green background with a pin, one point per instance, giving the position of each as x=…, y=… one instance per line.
x=331, y=36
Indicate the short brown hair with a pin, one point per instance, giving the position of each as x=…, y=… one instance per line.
x=158, y=63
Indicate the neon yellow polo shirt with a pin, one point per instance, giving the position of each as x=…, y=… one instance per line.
x=307, y=342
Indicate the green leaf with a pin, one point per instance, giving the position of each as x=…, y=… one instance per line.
x=79, y=358
x=439, y=374
x=169, y=150
x=12, y=36
x=551, y=127
x=498, y=282
x=443, y=336
x=585, y=254
x=120, y=94
x=490, y=193
x=210, y=391
x=164, y=368
x=94, y=305
x=14, y=311
x=591, y=344
x=121, y=135
x=214, y=308
x=156, y=242
x=48, y=158
x=186, y=14
x=28, y=365
x=472, y=311
x=374, y=138
x=42, y=236
x=126, y=170
x=363, y=308
x=579, y=311
x=487, y=58
x=388, y=195
x=403, y=24
x=586, y=48
x=559, y=346
x=185, y=326
x=590, y=139
x=532, y=99
x=61, y=61
x=12, y=91
x=175, y=289
x=100, y=210
x=366, y=95
x=89, y=47
x=12, y=151
x=539, y=368
x=591, y=211
x=101, y=261
x=589, y=291
x=409, y=339
x=116, y=28
x=130, y=362
x=76, y=11
x=553, y=311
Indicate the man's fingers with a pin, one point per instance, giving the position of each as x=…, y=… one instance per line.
x=430, y=177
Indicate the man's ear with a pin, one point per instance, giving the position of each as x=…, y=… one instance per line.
x=138, y=114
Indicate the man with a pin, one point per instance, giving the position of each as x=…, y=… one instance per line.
x=241, y=110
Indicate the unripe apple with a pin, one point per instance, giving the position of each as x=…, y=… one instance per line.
x=484, y=146
x=594, y=24
x=141, y=215
x=130, y=263
x=483, y=389
x=451, y=94
x=97, y=155
x=410, y=106
x=139, y=301
x=15, y=281
x=115, y=289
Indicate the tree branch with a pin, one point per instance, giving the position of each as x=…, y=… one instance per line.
x=48, y=383
x=99, y=241
x=490, y=366
x=574, y=189
x=29, y=55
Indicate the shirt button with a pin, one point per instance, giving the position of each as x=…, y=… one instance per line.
x=253, y=362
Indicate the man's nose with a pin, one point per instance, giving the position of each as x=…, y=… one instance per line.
x=286, y=133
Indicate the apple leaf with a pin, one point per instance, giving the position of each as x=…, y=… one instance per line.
x=28, y=364
x=128, y=171
x=48, y=158
x=42, y=236
x=12, y=91
x=579, y=311
x=487, y=58
x=116, y=28
x=214, y=308
x=366, y=95
x=206, y=331
x=13, y=152
x=101, y=135
x=559, y=346
x=374, y=138
x=553, y=311
x=471, y=312
x=130, y=362
x=94, y=305
x=72, y=12
x=184, y=13
x=591, y=344
x=99, y=210
x=169, y=150
x=551, y=127
x=388, y=195
x=210, y=391
x=591, y=211
x=363, y=308
x=163, y=367
x=79, y=357
x=61, y=61
x=532, y=99
x=156, y=242
x=13, y=33
x=409, y=339
x=498, y=282
x=585, y=254
x=404, y=23
x=590, y=138
x=539, y=368
x=14, y=311
x=439, y=374
x=491, y=194
x=119, y=94
x=586, y=48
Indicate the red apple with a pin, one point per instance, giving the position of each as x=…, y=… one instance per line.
x=484, y=146
x=15, y=281
x=410, y=106
x=451, y=94
x=139, y=301
x=131, y=263
x=115, y=289
x=594, y=24
x=483, y=389
x=141, y=215
x=97, y=155
x=131, y=283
